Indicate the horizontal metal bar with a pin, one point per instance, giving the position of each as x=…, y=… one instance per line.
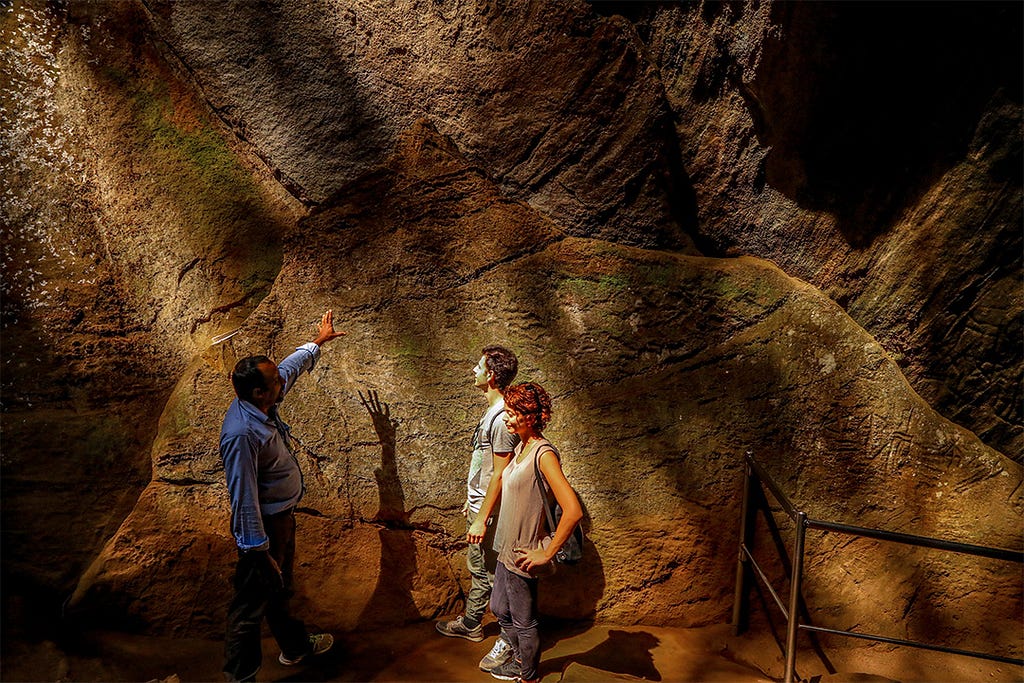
x=923, y=541
x=907, y=539
x=764, y=580
x=770, y=483
x=914, y=643
x=894, y=536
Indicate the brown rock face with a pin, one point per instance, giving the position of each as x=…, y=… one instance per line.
x=131, y=231
x=877, y=158
x=664, y=368
x=537, y=175
x=558, y=104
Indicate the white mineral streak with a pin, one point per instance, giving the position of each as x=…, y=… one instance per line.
x=37, y=161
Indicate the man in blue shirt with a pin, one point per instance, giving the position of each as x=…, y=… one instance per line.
x=265, y=484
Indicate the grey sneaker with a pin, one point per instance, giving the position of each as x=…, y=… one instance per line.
x=507, y=671
x=456, y=628
x=499, y=654
x=319, y=644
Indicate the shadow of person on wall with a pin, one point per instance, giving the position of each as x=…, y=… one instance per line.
x=568, y=599
x=392, y=600
x=623, y=652
x=391, y=497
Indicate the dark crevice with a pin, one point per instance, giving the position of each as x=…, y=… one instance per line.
x=186, y=481
x=862, y=119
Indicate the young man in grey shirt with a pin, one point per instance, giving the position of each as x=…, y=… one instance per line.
x=492, y=449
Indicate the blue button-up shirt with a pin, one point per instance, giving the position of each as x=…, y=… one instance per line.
x=263, y=475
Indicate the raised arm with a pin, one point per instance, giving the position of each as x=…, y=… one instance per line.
x=326, y=331
x=306, y=356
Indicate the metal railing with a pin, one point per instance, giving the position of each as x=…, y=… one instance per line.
x=754, y=479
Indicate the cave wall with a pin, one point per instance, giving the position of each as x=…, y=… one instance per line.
x=557, y=103
x=451, y=175
x=876, y=153
x=133, y=232
x=666, y=368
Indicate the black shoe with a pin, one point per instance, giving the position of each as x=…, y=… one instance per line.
x=319, y=644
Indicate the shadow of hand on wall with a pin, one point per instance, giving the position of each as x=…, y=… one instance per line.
x=392, y=600
x=623, y=652
x=391, y=508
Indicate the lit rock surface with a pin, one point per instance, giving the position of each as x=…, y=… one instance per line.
x=558, y=104
x=798, y=122
x=133, y=232
x=447, y=177
x=665, y=370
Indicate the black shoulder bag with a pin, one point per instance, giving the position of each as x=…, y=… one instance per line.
x=572, y=550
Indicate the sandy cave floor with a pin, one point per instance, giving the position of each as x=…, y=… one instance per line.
x=571, y=653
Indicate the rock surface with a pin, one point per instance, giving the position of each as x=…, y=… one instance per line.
x=555, y=102
x=665, y=368
x=450, y=176
x=879, y=160
x=576, y=652
x=132, y=232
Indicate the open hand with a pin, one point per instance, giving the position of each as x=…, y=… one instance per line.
x=380, y=413
x=326, y=332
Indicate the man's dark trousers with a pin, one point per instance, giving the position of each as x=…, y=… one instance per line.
x=260, y=592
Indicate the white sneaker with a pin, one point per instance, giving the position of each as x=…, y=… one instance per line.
x=320, y=643
x=499, y=654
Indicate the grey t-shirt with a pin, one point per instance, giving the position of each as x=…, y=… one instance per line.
x=491, y=436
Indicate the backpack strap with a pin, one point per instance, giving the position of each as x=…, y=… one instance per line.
x=537, y=478
x=490, y=428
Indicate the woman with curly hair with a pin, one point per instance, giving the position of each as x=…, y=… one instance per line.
x=525, y=548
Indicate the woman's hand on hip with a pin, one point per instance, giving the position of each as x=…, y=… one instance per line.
x=528, y=560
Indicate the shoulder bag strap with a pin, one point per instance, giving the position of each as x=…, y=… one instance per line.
x=538, y=476
x=490, y=428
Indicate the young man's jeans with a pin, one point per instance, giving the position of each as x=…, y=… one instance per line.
x=514, y=602
x=259, y=592
x=480, y=560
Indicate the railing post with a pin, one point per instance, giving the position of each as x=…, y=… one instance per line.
x=794, y=596
x=740, y=602
x=757, y=483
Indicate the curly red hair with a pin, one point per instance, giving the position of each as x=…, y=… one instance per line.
x=531, y=401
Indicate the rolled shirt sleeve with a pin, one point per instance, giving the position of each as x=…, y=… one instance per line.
x=263, y=476
x=303, y=359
